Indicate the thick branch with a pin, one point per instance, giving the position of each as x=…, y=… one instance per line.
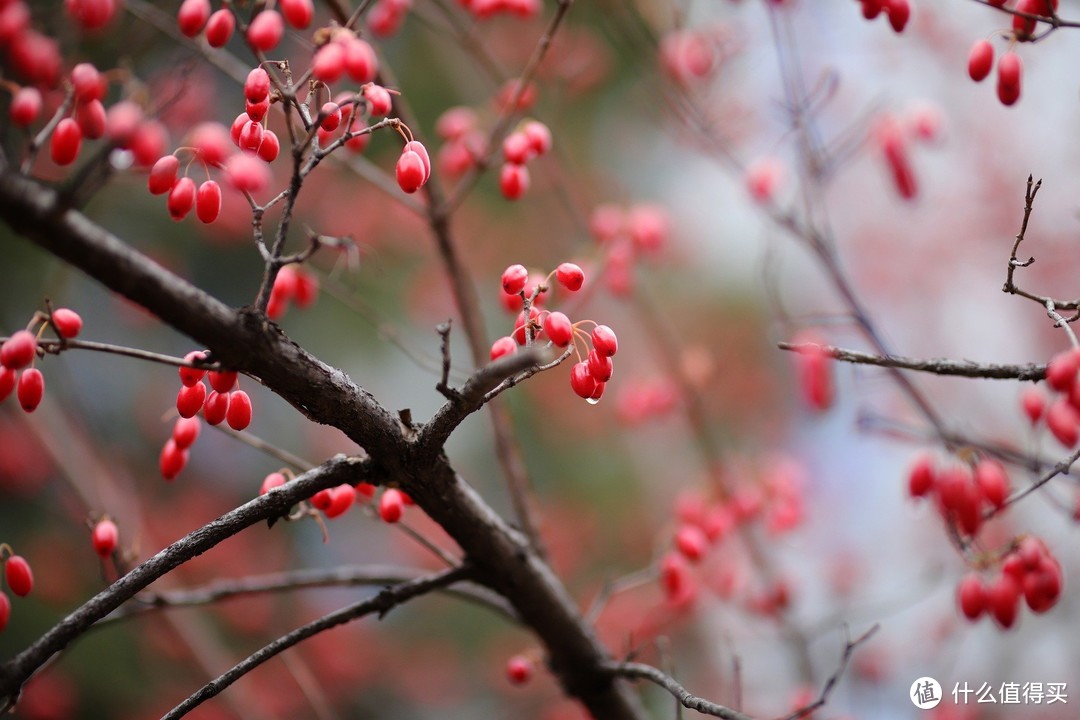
x=381, y=604
x=937, y=366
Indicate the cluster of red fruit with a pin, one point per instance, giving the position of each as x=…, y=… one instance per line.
x=223, y=403
x=292, y=284
x=589, y=376
x=704, y=525
x=336, y=501
x=532, y=139
x=20, y=580
x=1028, y=570
x=484, y=9
x=1062, y=415
x=625, y=234
x=20, y=351
x=1010, y=70
x=264, y=31
x=898, y=11
x=962, y=493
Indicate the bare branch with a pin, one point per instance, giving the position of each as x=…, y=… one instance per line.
x=830, y=684
x=641, y=671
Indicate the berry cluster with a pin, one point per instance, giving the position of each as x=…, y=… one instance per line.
x=898, y=11
x=532, y=139
x=18, y=353
x=223, y=403
x=264, y=31
x=1028, y=570
x=292, y=284
x=626, y=234
x=19, y=578
x=1010, y=70
x=526, y=294
x=961, y=492
x=1061, y=415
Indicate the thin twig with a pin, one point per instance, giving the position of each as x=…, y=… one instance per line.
x=641, y=671
x=830, y=684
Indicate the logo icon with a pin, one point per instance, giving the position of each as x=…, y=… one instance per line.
x=925, y=693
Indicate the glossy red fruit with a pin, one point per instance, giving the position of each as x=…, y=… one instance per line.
x=216, y=408
x=181, y=198
x=19, y=576
x=410, y=171
x=517, y=149
x=190, y=399
x=321, y=500
x=172, y=460
x=90, y=117
x=921, y=480
x=188, y=375
x=192, y=16
x=8, y=379
x=105, y=538
x=600, y=366
x=500, y=348
x=418, y=147
x=570, y=276
x=5, y=611
x=265, y=30
x=559, y=329
x=605, y=341
x=331, y=116
x=270, y=147
x=271, y=481
x=328, y=65
x=519, y=670
x=341, y=499
x=19, y=350
x=251, y=136
x=1003, y=598
x=1064, y=422
x=220, y=28
x=391, y=505
x=65, y=142
x=582, y=381
x=87, y=82
x=971, y=596
x=25, y=106
x=514, y=279
x=899, y=12
x=539, y=136
x=239, y=412
x=208, y=201
x=378, y=100
x=360, y=60
x=31, y=389
x=67, y=322
x=513, y=181
x=992, y=481
x=298, y=13
x=1010, y=70
x=257, y=85
x=223, y=381
x=980, y=60
x=163, y=174
x=1061, y=370
x=186, y=431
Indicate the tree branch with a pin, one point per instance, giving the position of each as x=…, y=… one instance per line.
x=641, y=671
x=960, y=368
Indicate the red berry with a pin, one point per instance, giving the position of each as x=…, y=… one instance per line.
x=331, y=116
x=66, y=141
x=181, y=198
x=25, y=106
x=172, y=460
x=87, y=82
x=980, y=60
x=91, y=14
x=500, y=348
x=971, y=596
x=1002, y=598
x=921, y=476
x=31, y=388
x=321, y=500
x=270, y=147
x=5, y=611
x=364, y=492
x=992, y=481
x=1064, y=422
x=648, y=227
x=257, y=85
x=455, y=123
x=582, y=381
x=1061, y=370
x=328, y=65
x=216, y=407
x=391, y=505
x=19, y=350
x=251, y=136
x=8, y=378
x=223, y=381
x=298, y=13
x=192, y=16
x=517, y=149
x=514, y=279
x=148, y=143
x=105, y=538
x=539, y=136
x=90, y=117
x=570, y=276
x=513, y=181
x=341, y=499
x=67, y=322
x=1034, y=404
x=600, y=366
x=418, y=147
x=378, y=100
x=604, y=340
x=519, y=670
x=239, y=413
x=410, y=171
x=188, y=375
x=521, y=335
x=246, y=173
x=190, y=399
x=815, y=377
x=899, y=13
x=1010, y=69
x=163, y=174
x=19, y=576
x=186, y=431
x=559, y=329
x=271, y=481
x=265, y=30
x=691, y=541
x=208, y=201
x=360, y=60
x=220, y=28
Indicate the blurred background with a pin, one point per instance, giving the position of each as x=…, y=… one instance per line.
x=656, y=110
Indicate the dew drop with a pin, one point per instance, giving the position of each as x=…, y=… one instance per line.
x=592, y=401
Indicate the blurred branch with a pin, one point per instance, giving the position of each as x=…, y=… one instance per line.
x=302, y=579
x=830, y=684
x=641, y=671
x=382, y=603
x=960, y=368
